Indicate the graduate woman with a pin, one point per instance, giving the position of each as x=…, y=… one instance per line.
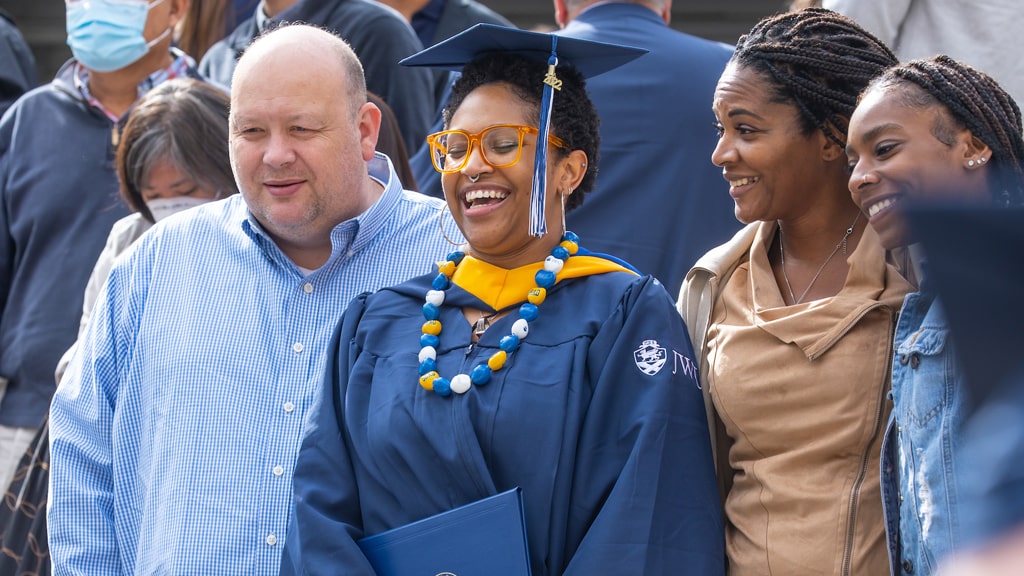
x=524, y=361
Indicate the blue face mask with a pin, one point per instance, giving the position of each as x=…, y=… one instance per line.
x=107, y=35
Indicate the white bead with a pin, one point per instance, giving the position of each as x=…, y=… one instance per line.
x=461, y=383
x=552, y=264
x=435, y=297
x=521, y=328
x=428, y=352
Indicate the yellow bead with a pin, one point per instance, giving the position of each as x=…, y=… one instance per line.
x=448, y=268
x=572, y=247
x=427, y=380
x=432, y=327
x=537, y=296
x=497, y=361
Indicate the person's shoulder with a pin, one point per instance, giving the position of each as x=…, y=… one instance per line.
x=220, y=220
x=421, y=201
x=219, y=61
x=350, y=17
x=723, y=256
x=130, y=227
x=477, y=12
x=44, y=107
x=400, y=294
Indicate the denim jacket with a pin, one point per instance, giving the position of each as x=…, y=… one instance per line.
x=921, y=450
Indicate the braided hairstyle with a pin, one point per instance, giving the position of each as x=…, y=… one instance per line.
x=973, y=101
x=573, y=116
x=818, y=60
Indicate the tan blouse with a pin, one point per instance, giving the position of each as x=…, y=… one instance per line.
x=801, y=391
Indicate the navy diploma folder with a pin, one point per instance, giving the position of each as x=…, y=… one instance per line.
x=483, y=538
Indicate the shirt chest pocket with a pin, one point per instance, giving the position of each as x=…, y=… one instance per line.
x=928, y=375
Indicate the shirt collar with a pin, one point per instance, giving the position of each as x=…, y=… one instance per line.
x=181, y=66
x=426, y=20
x=262, y=20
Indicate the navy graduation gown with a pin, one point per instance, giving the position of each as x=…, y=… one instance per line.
x=597, y=416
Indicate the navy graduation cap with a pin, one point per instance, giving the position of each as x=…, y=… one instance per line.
x=590, y=58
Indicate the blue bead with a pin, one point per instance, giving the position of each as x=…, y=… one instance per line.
x=545, y=278
x=480, y=375
x=560, y=253
x=443, y=386
x=440, y=282
x=529, y=312
x=428, y=365
x=431, y=312
x=571, y=237
x=509, y=343
x=430, y=340
x=456, y=256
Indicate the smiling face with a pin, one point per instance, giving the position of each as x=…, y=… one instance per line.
x=300, y=144
x=494, y=212
x=895, y=155
x=772, y=167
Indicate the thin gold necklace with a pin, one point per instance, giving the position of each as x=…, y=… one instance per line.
x=782, y=261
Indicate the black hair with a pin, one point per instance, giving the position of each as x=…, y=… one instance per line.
x=818, y=60
x=573, y=116
x=973, y=101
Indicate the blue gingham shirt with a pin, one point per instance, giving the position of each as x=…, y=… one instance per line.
x=175, y=431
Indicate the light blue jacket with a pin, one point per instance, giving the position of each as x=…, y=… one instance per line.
x=921, y=450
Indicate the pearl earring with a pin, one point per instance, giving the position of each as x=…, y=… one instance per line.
x=970, y=163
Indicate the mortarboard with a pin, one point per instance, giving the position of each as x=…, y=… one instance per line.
x=589, y=57
x=975, y=260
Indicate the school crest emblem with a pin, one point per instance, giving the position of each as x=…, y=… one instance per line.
x=649, y=357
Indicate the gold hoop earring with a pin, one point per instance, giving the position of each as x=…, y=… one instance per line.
x=440, y=222
x=568, y=192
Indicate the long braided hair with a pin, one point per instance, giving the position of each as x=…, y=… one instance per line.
x=818, y=60
x=975, y=102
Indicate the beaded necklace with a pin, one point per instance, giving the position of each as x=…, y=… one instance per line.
x=430, y=339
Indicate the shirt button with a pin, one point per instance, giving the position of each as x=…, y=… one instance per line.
x=351, y=253
x=307, y=288
x=915, y=360
x=278, y=470
x=908, y=566
x=297, y=347
x=903, y=359
x=288, y=407
x=271, y=540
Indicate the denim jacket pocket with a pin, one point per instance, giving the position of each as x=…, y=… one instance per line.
x=928, y=365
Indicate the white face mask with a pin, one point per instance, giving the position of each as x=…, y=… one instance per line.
x=161, y=208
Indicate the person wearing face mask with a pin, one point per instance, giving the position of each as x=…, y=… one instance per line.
x=59, y=191
x=173, y=155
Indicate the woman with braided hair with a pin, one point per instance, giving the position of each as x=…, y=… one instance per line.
x=792, y=318
x=925, y=131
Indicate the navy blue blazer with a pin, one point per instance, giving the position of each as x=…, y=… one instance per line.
x=659, y=202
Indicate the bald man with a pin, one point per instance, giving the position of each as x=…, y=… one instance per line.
x=175, y=430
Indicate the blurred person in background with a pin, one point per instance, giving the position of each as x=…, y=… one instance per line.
x=17, y=64
x=59, y=192
x=173, y=154
x=659, y=202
